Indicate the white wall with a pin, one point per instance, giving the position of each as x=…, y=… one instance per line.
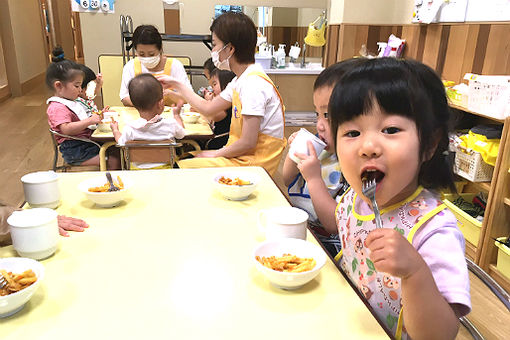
x=393, y=12
x=101, y=33
x=308, y=15
x=28, y=38
x=335, y=12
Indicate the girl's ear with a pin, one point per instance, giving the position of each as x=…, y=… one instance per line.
x=58, y=85
x=428, y=154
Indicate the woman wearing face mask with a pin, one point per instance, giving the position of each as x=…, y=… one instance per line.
x=256, y=131
x=150, y=59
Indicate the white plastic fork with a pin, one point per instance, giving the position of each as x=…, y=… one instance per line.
x=368, y=190
x=3, y=281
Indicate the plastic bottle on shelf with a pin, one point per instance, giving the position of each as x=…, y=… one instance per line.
x=280, y=56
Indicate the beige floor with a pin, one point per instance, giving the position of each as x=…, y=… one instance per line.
x=25, y=146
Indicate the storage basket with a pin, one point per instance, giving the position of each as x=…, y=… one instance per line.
x=489, y=95
x=503, y=262
x=456, y=98
x=471, y=166
x=468, y=225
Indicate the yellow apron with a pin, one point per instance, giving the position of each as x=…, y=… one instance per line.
x=267, y=153
x=167, y=70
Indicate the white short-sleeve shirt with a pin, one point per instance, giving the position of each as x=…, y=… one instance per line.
x=258, y=98
x=156, y=129
x=178, y=72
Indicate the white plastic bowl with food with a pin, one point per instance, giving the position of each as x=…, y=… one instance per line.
x=236, y=186
x=14, y=302
x=190, y=117
x=95, y=189
x=300, y=248
x=104, y=125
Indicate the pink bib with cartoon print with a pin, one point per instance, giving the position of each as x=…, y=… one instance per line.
x=382, y=291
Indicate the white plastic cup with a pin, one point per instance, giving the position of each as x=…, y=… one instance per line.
x=283, y=222
x=299, y=144
x=34, y=232
x=108, y=115
x=41, y=189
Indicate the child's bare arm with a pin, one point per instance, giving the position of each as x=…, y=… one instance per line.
x=115, y=129
x=74, y=128
x=178, y=118
x=290, y=170
x=323, y=204
x=99, y=83
x=428, y=315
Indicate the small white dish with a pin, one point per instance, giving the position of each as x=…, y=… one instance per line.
x=236, y=192
x=190, y=117
x=13, y=303
x=298, y=247
x=107, y=199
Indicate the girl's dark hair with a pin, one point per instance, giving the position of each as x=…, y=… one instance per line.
x=145, y=91
x=209, y=65
x=57, y=54
x=88, y=75
x=407, y=88
x=331, y=75
x=61, y=69
x=239, y=30
x=224, y=76
x=147, y=35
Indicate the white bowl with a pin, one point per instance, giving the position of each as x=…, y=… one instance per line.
x=13, y=303
x=300, y=248
x=34, y=232
x=41, y=189
x=236, y=192
x=104, y=125
x=104, y=199
x=190, y=117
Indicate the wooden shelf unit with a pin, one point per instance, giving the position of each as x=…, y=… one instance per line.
x=497, y=214
x=462, y=108
x=496, y=221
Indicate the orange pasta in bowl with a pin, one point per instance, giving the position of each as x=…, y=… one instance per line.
x=235, y=181
x=236, y=185
x=16, y=282
x=104, y=188
x=287, y=263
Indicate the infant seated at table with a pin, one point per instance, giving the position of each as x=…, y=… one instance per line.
x=146, y=94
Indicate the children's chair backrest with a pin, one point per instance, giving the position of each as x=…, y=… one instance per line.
x=110, y=66
x=151, y=151
x=185, y=61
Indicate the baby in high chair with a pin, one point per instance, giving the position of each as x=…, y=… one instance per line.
x=146, y=94
x=390, y=121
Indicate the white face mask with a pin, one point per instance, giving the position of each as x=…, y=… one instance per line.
x=150, y=62
x=222, y=65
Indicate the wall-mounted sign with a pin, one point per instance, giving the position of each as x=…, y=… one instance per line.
x=104, y=6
